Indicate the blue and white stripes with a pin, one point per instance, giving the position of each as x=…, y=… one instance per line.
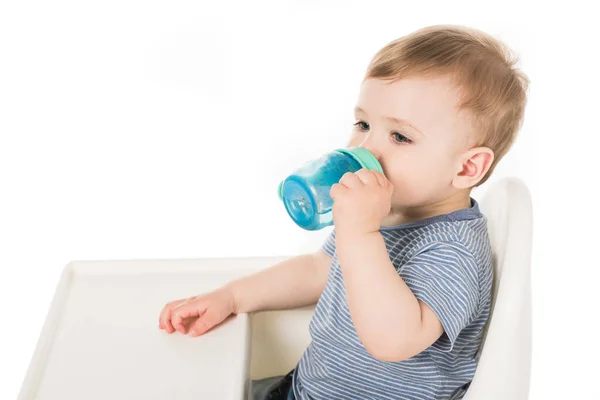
x=447, y=263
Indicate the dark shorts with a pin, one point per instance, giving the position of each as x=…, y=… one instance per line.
x=273, y=388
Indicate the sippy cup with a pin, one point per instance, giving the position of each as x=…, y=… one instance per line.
x=305, y=193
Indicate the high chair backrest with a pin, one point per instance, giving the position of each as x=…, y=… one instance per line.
x=504, y=365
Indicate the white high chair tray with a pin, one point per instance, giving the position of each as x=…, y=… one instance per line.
x=101, y=338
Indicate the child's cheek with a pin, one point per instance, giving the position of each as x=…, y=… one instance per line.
x=410, y=184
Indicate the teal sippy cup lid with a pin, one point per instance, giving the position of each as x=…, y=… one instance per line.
x=364, y=157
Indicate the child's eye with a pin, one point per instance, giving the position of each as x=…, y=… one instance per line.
x=362, y=125
x=400, y=138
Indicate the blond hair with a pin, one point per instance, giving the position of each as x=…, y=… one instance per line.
x=493, y=91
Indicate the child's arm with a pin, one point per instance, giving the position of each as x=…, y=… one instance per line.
x=390, y=321
x=293, y=283
x=296, y=282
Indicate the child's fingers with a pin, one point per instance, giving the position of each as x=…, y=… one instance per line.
x=350, y=180
x=161, y=317
x=367, y=177
x=337, y=190
x=207, y=321
x=182, y=312
x=381, y=179
x=166, y=315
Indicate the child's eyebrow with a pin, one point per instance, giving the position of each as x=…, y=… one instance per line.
x=393, y=119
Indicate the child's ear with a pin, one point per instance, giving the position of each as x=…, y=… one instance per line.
x=475, y=163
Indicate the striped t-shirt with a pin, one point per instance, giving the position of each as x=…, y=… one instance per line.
x=446, y=261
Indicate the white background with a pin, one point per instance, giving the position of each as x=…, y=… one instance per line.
x=144, y=129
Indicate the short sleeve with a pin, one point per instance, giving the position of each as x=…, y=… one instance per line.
x=445, y=277
x=328, y=246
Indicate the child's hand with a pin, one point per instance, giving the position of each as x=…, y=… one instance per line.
x=209, y=309
x=361, y=201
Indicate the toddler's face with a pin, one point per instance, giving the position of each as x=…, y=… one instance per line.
x=414, y=127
